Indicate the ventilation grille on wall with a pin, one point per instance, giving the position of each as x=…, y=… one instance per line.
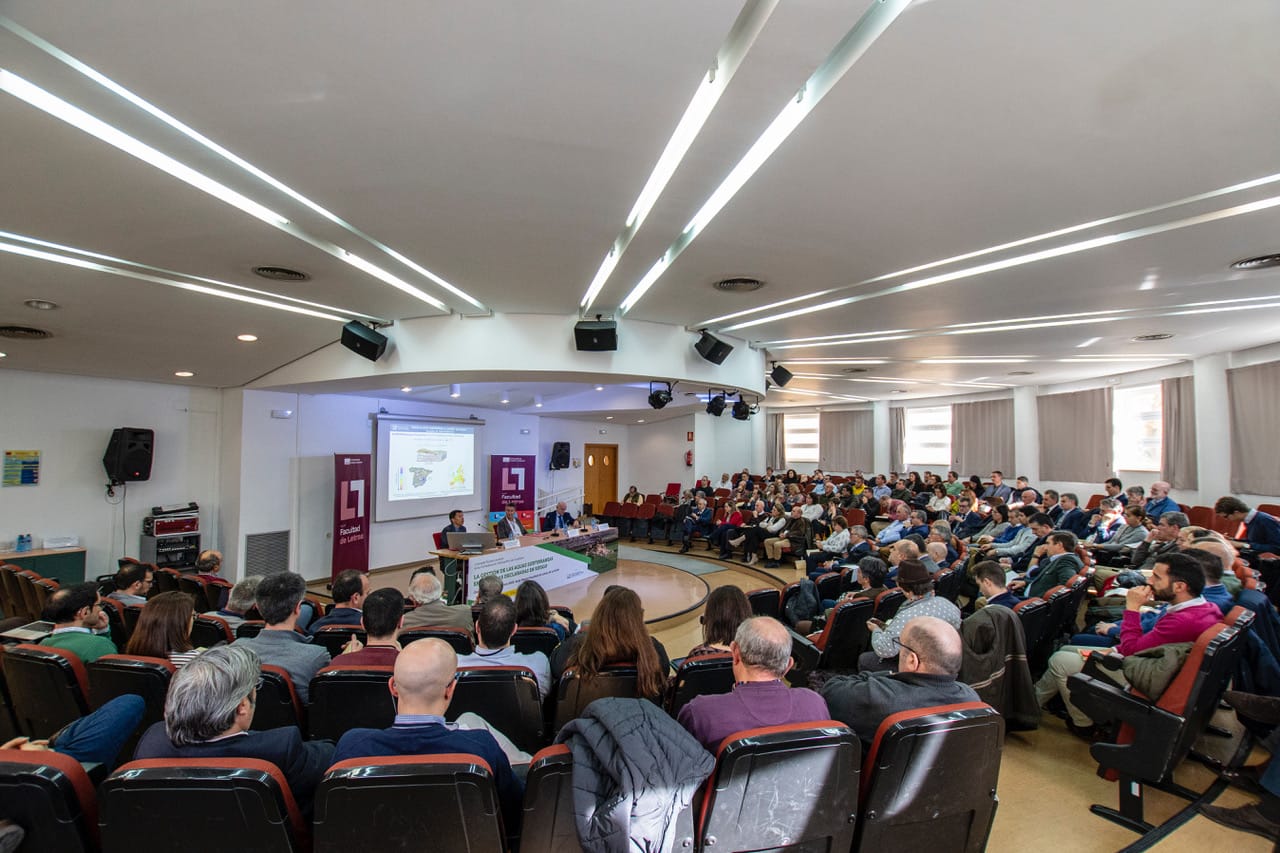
x=266, y=553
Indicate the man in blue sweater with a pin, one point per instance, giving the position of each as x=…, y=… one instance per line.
x=423, y=686
x=1261, y=531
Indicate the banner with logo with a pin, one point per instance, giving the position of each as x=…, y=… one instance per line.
x=511, y=482
x=351, y=495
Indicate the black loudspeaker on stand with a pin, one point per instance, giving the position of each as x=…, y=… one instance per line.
x=128, y=456
x=559, y=455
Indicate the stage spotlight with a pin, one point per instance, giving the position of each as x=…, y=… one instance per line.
x=780, y=375
x=715, y=405
x=741, y=410
x=659, y=398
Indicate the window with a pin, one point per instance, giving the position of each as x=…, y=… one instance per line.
x=800, y=437
x=1137, y=428
x=927, y=437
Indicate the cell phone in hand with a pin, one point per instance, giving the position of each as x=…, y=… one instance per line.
x=879, y=623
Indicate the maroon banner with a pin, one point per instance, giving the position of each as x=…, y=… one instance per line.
x=511, y=482
x=351, y=495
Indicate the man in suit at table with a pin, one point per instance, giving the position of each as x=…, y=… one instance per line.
x=558, y=519
x=509, y=527
x=455, y=525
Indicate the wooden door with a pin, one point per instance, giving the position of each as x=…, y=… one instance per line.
x=600, y=475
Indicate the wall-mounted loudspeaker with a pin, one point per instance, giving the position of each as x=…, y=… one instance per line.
x=128, y=456
x=780, y=375
x=712, y=348
x=559, y=455
x=362, y=340
x=596, y=335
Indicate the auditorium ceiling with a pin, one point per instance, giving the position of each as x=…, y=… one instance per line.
x=938, y=198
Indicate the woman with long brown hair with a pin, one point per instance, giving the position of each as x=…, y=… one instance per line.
x=617, y=635
x=164, y=629
x=727, y=607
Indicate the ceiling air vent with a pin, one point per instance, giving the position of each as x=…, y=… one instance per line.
x=1154, y=336
x=24, y=333
x=856, y=370
x=739, y=285
x=1261, y=262
x=281, y=274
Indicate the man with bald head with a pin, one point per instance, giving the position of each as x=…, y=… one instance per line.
x=928, y=663
x=423, y=686
x=761, y=651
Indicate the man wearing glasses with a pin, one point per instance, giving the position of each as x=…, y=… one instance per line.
x=76, y=614
x=208, y=712
x=133, y=582
x=929, y=655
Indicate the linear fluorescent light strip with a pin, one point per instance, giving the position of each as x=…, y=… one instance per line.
x=168, y=272
x=855, y=43
x=1021, y=260
x=805, y=393
x=742, y=35
x=181, y=285
x=194, y=135
x=76, y=117
x=1048, y=235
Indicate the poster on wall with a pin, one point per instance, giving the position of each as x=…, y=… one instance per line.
x=511, y=482
x=351, y=511
x=22, y=468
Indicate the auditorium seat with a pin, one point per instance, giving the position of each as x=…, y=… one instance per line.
x=698, y=676
x=845, y=636
x=804, y=658
x=48, y=686
x=26, y=580
x=1154, y=737
x=132, y=613
x=855, y=517
x=548, y=825
x=946, y=583
x=828, y=586
x=929, y=781
x=433, y=802
x=119, y=675
x=766, y=601
x=644, y=520
x=1060, y=613
x=1201, y=516
x=535, y=638
x=278, y=703
x=12, y=601
x=43, y=587
x=349, y=696
x=789, y=592
x=611, y=513
x=888, y=602
x=164, y=580
x=1034, y=614
x=120, y=632
x=1094, y=502
x=506, y=697
x=207, y=630
x=627, y=515
x=573, y=694
x=335, y=637
x=458, y=638
x=792, y=786
x=250, y=628
x=207, y=805
x=8, y=722
x=50, y=796
x=664, y=518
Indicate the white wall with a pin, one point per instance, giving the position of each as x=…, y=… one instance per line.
x=579, y=434
x=657, y=455
x=70, y=419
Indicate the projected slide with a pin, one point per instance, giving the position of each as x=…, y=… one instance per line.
x=427, y=460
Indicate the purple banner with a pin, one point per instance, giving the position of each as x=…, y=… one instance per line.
x=351, y=511
x=511, y=482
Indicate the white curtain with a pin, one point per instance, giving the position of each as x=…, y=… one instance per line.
x=897, y=436
x=1075, y=436
x=982, y=437
x=775, y=442
x=1255, y=411
x=844, y=442
x=1178, y=460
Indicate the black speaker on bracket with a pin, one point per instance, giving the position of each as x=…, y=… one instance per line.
x=128, y=456
x=362, y=340
x=712, y=348
x=780, y=375
x=596, y=335
x=559, y=455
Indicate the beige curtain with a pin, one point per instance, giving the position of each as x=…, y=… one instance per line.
x=1255, y=411
x=1075, y=436
x=982, y=437
x=897, y=435
x=844, y=442
x=775, y=443
x=1178, y=461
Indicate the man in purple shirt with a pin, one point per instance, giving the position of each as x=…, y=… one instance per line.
x=761, y=657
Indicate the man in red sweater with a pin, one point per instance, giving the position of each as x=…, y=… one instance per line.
x=1176, y=579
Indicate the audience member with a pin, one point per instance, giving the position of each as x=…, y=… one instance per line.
x=164, y=629
x=431, y=611
x=928, y=663
x=133, y=582
x=616, y=635
x=727, y=607
x=349, y=590
x=279, y=601
x=1261, y=818
x=915, y=582
x=1073, y=519
x=208, y=713
x=1261, y=531
x=990, y=577
x=829, y=550
x=494, y=629
x=761, y=650
x=1117, y=549
x=239, y=602
x=698, y=520
x=1059, y=565
x=208, y=564
x=998, y=488
x=381, y=616
x=488, y=587
x=95, y=738
x=76, y=614
x=533, y=610
x=1163, y=539
x=1159, y=502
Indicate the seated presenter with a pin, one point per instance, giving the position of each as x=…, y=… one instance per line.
x=509, y=526
x=559, y=519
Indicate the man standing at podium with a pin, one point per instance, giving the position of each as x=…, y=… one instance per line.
x=560, y=519
x=509, y=527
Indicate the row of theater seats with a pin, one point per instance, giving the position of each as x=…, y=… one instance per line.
x=928, y=781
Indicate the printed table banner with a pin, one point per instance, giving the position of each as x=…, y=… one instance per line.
x=551, y=565
x=351, y=495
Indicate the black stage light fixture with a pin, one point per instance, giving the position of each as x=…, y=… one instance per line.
x=741, y=410
x=715, y=405
x=362, y=340
x=712, y=348
x=658, y=399
x=780, y=375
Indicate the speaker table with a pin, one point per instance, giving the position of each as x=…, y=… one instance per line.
x=65, y=565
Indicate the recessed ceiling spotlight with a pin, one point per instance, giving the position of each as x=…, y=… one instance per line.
x=406, y=389
x=738, y=285
x=183, y=374
x=1154, y=336
x=506, y=397
x=537, y=401
x=40, y=304
x=608, y=417
x=281, y=274
x=1260, y=262
x=4, y=355
x=640, y=421
x=599, y=387
x=24, y=333
x=455, y=390
x=1021, y=372
x=248, y=339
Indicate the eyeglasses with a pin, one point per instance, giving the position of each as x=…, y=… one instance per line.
x=897, y=641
